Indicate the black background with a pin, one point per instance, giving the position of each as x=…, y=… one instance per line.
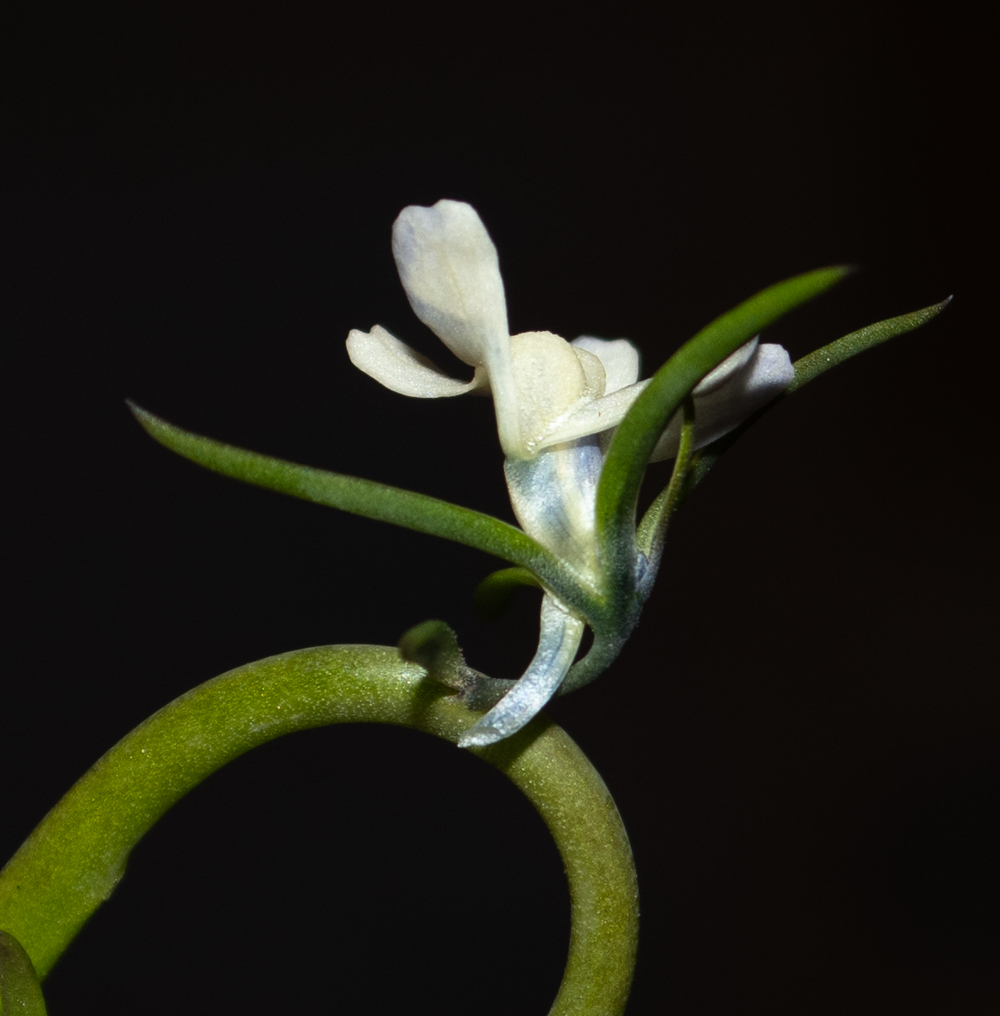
x=802, y=734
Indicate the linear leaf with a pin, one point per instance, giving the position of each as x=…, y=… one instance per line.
x=365, y=497
x=653, y=527
x=807, y=368
x=637, y=434
x=820, y=360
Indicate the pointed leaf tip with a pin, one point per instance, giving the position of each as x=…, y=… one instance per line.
x=811, y=366
x=821, y=360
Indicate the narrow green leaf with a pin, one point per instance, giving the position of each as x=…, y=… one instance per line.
x=807, y=368
x=20, y=992
x=365, y=497
x=637, y=434
x=653, y=527
x=820, y=360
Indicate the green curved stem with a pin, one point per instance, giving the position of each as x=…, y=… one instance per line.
x=72, y=862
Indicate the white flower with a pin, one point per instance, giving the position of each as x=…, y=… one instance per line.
x=547, y=391
x=552, y=398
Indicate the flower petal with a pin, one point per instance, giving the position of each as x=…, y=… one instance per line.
x=554, y=497
x=732, y=364
x=450, y=271
x=551, y=380
x=594, y=417
x=602, y=414
x=402, y=369
x=558, y=642
x=619, y=358
x=762, y=377
x=595, y=378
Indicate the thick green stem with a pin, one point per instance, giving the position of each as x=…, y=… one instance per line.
x=72, y=862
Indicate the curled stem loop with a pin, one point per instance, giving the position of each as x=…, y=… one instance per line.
x=72, y=862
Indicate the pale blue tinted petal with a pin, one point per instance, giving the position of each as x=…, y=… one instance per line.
x=558, y=642
x=553, y=497
x=762, y=378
